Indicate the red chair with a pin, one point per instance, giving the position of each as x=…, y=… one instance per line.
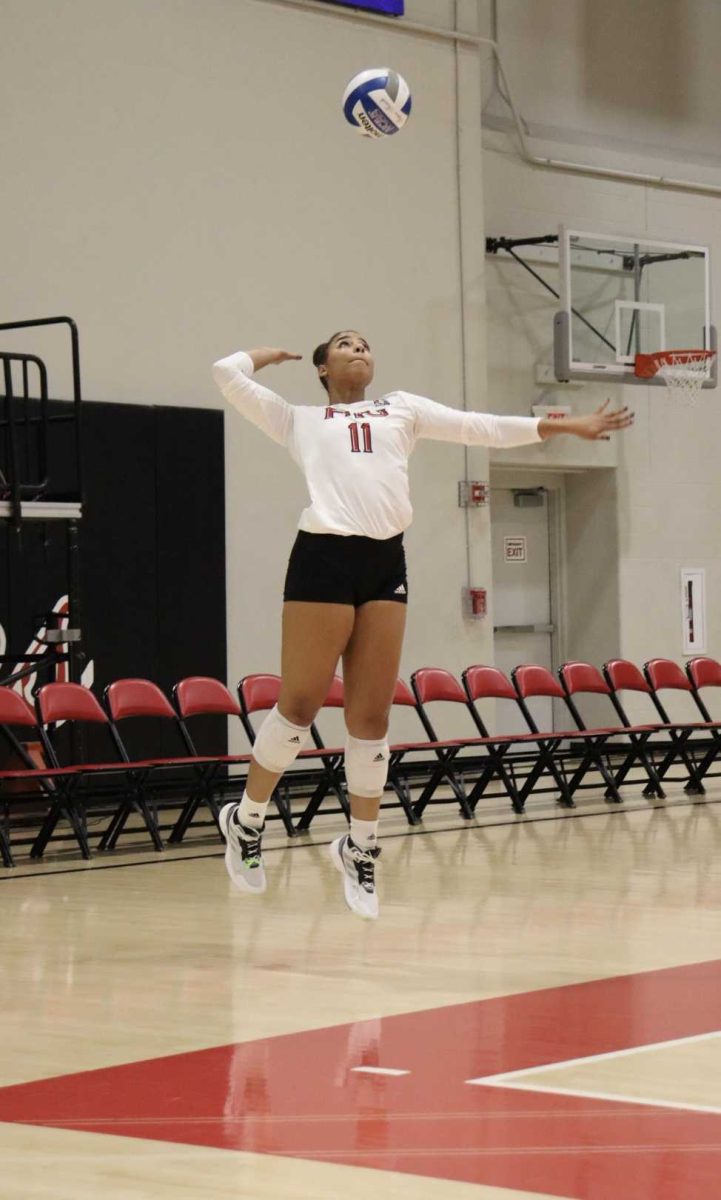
x=15, y=713
x=532, y=680
x=400, y=772
x=582, y=678
x=403, y=772
x=397, y=778
x=664, y=674
x=432, y=685
x=259, y=693
x=77, y=709
x=703, y=673
x=202, y=696
x=15, y=710
x=142, y=700
x=406, y=771
x=332, y=778
x=668, y=739
x=490, y=683
x=435, y=684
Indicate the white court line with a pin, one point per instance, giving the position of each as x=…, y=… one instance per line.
x=617, y=1097
x=379, y=1071
x=505, y=1080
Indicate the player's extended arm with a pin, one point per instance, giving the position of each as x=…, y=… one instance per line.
x=444, y=424
x=234, y=376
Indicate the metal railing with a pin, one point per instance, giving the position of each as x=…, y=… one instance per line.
x=25, y=419
x=38, y=470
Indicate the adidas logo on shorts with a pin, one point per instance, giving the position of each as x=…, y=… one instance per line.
x=294, y=741
x=400, y=590
x=379, y=758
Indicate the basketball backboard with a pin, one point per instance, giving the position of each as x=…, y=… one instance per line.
x=621, y=296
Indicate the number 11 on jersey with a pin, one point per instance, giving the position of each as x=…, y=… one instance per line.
x=355, y=440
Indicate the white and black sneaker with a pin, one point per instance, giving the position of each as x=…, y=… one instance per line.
x=243, y=855
x=357, y=867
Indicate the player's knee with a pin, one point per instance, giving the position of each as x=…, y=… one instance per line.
x=299, y=709
x=279, y=741
x=370, y=726
x=366, y=765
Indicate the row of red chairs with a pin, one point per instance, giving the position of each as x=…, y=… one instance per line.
x=564, y=761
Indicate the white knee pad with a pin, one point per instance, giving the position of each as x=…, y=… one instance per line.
x=279, y=742
x=366, y=766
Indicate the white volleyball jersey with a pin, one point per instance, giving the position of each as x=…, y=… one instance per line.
x=355, y=457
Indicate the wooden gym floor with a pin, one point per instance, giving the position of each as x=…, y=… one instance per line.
x=536, y=1013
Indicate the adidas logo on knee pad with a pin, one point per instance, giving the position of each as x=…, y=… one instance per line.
x=278, y=742
x=366, y=765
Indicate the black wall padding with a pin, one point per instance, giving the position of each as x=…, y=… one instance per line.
x=152, y=553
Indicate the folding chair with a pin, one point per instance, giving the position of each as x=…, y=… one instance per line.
x=74, y=705
x=400, y=772
x=398, y=779
x=202, y=696
x=332, y=778
x=529, y=680
x=582, y=678
x=432, y=684
x=622, y=676
x=126, y=699
x=259, y=693
x=703, y=673
x=490, y=683
x=15, y=713
x=664, y=674
x=56, y=787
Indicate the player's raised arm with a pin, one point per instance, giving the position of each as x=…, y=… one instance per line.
x=234, y=376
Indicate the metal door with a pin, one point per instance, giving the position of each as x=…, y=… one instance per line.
x=522, y=600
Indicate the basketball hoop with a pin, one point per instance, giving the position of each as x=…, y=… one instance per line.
x=683, y=371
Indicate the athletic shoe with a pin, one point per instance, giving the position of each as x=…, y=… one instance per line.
x=243, y=856
x=358, y=870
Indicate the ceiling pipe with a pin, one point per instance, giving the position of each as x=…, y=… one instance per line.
x=396, y=25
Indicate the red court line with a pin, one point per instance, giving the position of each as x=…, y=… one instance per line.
x=296, y=1095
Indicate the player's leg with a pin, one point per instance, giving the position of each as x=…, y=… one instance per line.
x=314, y=637
x=370, y=671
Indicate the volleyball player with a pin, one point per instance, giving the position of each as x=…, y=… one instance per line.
x=346, y=589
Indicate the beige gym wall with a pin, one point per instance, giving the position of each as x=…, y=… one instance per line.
x=178, y=177
x=668, y=489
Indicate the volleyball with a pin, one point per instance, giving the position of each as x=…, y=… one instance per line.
x=377, y=102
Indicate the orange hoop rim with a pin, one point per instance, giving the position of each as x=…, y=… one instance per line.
x=647, y=365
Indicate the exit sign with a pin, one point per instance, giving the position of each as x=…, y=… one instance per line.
x=514, y=549
x=392, y=8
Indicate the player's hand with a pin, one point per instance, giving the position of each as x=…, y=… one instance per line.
x=601, y=424
x=266, y=356
x=595, y=427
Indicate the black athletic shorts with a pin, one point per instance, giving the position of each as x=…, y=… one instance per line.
x=327, y=568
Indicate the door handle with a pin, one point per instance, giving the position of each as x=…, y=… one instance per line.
x=524, y=628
